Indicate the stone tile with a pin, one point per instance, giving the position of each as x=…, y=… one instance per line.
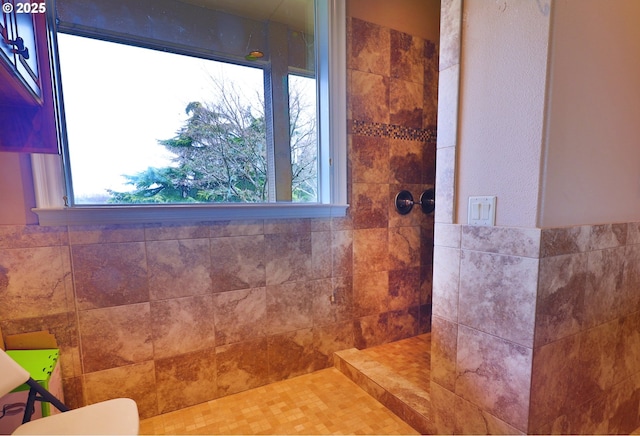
x=448, y=92
x=342, y=253
x=332, y=300
x=445, y=192
x=450, y=28
x=627, y=349
x=406, y=163
x=240, y=315
x=560, y=310
x=407, y=60
x=564, y=240
x=631, y=277
x=371, y=330
x=330, y=338
x=369, y=97
x=447, y=235
x=132, y=381
x=370, y=250
x=220, y=229
x=503, y=240
x=291, y=226
x=444, y=407
x=35, y=282
x=16, y=236
x=406, y=101
x=498, y=295
x=369, y=159
x=186, y=380
x=371, y=293
x=446, y=282
x=238, y=262
x=370, y=207
x=241, y=366
x=80, y=235
x=289, y=308
x=115, y=336
x=169, y=231
x=402, y=324
x=605, y=296
x=608, y=236
x=431, y=68
x=570, y=371
x=404, y=288
x=287, y=257
x=110, y=274
x=172, y=263
x=444, y=346
x=368, y=47
x=623, y=411
x=321, y=254
x=182, y=325
x=494, y=374
x=472, y=420
x=633, y=233
x=291, y=354
x=404, y=247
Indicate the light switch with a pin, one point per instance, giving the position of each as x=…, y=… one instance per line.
x=482, y=211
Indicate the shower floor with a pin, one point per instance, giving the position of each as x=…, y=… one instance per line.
x=380, y=390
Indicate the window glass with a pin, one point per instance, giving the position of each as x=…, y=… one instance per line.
x=153, y=126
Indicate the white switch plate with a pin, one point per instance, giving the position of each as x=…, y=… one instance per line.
x=482, y=211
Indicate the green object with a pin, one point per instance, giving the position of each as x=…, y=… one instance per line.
x=40, y=364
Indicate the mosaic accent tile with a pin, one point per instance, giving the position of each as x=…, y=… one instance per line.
x=392, y=131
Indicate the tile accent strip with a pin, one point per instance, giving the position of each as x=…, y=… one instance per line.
x=366, y=128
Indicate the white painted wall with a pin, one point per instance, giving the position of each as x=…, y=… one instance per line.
x=593, y=150
x=502, y=100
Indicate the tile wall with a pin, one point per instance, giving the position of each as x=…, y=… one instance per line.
x=175, y=315
x=536, y=330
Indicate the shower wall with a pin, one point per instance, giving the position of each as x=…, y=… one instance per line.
x=175, y=315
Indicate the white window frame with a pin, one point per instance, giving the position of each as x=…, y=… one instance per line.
x=49, y=180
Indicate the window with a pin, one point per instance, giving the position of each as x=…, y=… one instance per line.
x=131, y=139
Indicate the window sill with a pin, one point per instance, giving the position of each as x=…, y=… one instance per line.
x=96, y=215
